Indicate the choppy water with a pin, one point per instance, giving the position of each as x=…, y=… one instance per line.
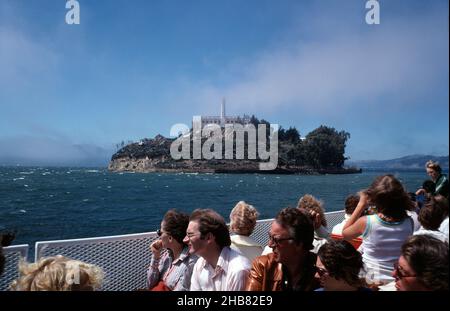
x=61, y=203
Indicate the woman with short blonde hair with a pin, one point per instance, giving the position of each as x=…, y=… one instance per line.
x=242, y=223
x=58, y=273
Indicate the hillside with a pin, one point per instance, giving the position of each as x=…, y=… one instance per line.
x=407, y=162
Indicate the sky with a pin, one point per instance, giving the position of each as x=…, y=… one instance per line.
x=133, y=68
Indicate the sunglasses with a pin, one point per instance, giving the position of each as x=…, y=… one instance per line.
x=321, y=271
x=277, y=241
x=400, y=273
x=159, y=232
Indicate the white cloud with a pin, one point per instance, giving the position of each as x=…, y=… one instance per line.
x=401, y=60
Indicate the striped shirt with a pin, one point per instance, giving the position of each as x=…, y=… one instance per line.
x=175, y=274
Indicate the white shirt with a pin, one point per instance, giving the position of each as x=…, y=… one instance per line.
x=444, y=227
x=230, y=273
x=434, y=233
x=339, y=227
x=246, y=246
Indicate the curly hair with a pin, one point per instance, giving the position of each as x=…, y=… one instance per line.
x=210, y=221
x=299, y=225
x=58, y=273
x=428, y=257
x=389, y=197
x=243, y=218
x=176, y=223
x=433, y=212
x=342, y=261
x=309, y=202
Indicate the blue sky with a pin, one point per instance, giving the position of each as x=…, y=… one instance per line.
x=132, y=69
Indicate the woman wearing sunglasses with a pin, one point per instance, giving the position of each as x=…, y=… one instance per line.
x=171, y=265
x=423, y=265
x=338, y=266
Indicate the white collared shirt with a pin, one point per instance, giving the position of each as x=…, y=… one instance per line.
x=230, y=273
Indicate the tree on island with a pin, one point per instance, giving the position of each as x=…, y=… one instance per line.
x=324, y=148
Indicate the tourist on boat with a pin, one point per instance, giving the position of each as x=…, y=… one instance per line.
x=314, y=207
x=434, y=170
x=291, y=265
x=423, y=265
x=431, y=217
x=338, y=266
x=350, y=204
x=242, y=223
x=58, y=273
x=219, y=268
x=172, y=269
x=384, y=232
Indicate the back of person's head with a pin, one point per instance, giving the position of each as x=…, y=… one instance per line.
x=58, y=274
x=342, y=261
x=309, y=202
x=429, y=186
x=299, y=225
x=434, y=212
x=428, y=257
x=176, y=223
x=389, y=197
x=243, y=218
x=434, y=166
x=350, y=203
x=210, y=221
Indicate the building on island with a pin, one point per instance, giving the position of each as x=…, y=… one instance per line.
x=224, y=119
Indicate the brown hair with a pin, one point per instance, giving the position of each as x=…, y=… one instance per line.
x=210, y=221
x=428, y=257
x=176, y=223
x=389, y=197
x=342, y=261
x=299, y=224
x=309, y=202
x=434, y=212
x=350, y=203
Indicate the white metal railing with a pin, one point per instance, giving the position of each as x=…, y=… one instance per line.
x=124, y=258
x=13, y=254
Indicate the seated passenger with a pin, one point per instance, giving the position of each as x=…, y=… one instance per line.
x=338, y=266
x=384, y=232
x=423, y=265
x=431, y=217
x=219, y=267
x=173, y=270
x=242, y=223
x=350, y=204
x=58, y=273
x=291, y=265
x=315, y=207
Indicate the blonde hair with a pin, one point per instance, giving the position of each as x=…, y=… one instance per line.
x=309, y=202
x=243, y=218
x=58, y=273
x=434, y=166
